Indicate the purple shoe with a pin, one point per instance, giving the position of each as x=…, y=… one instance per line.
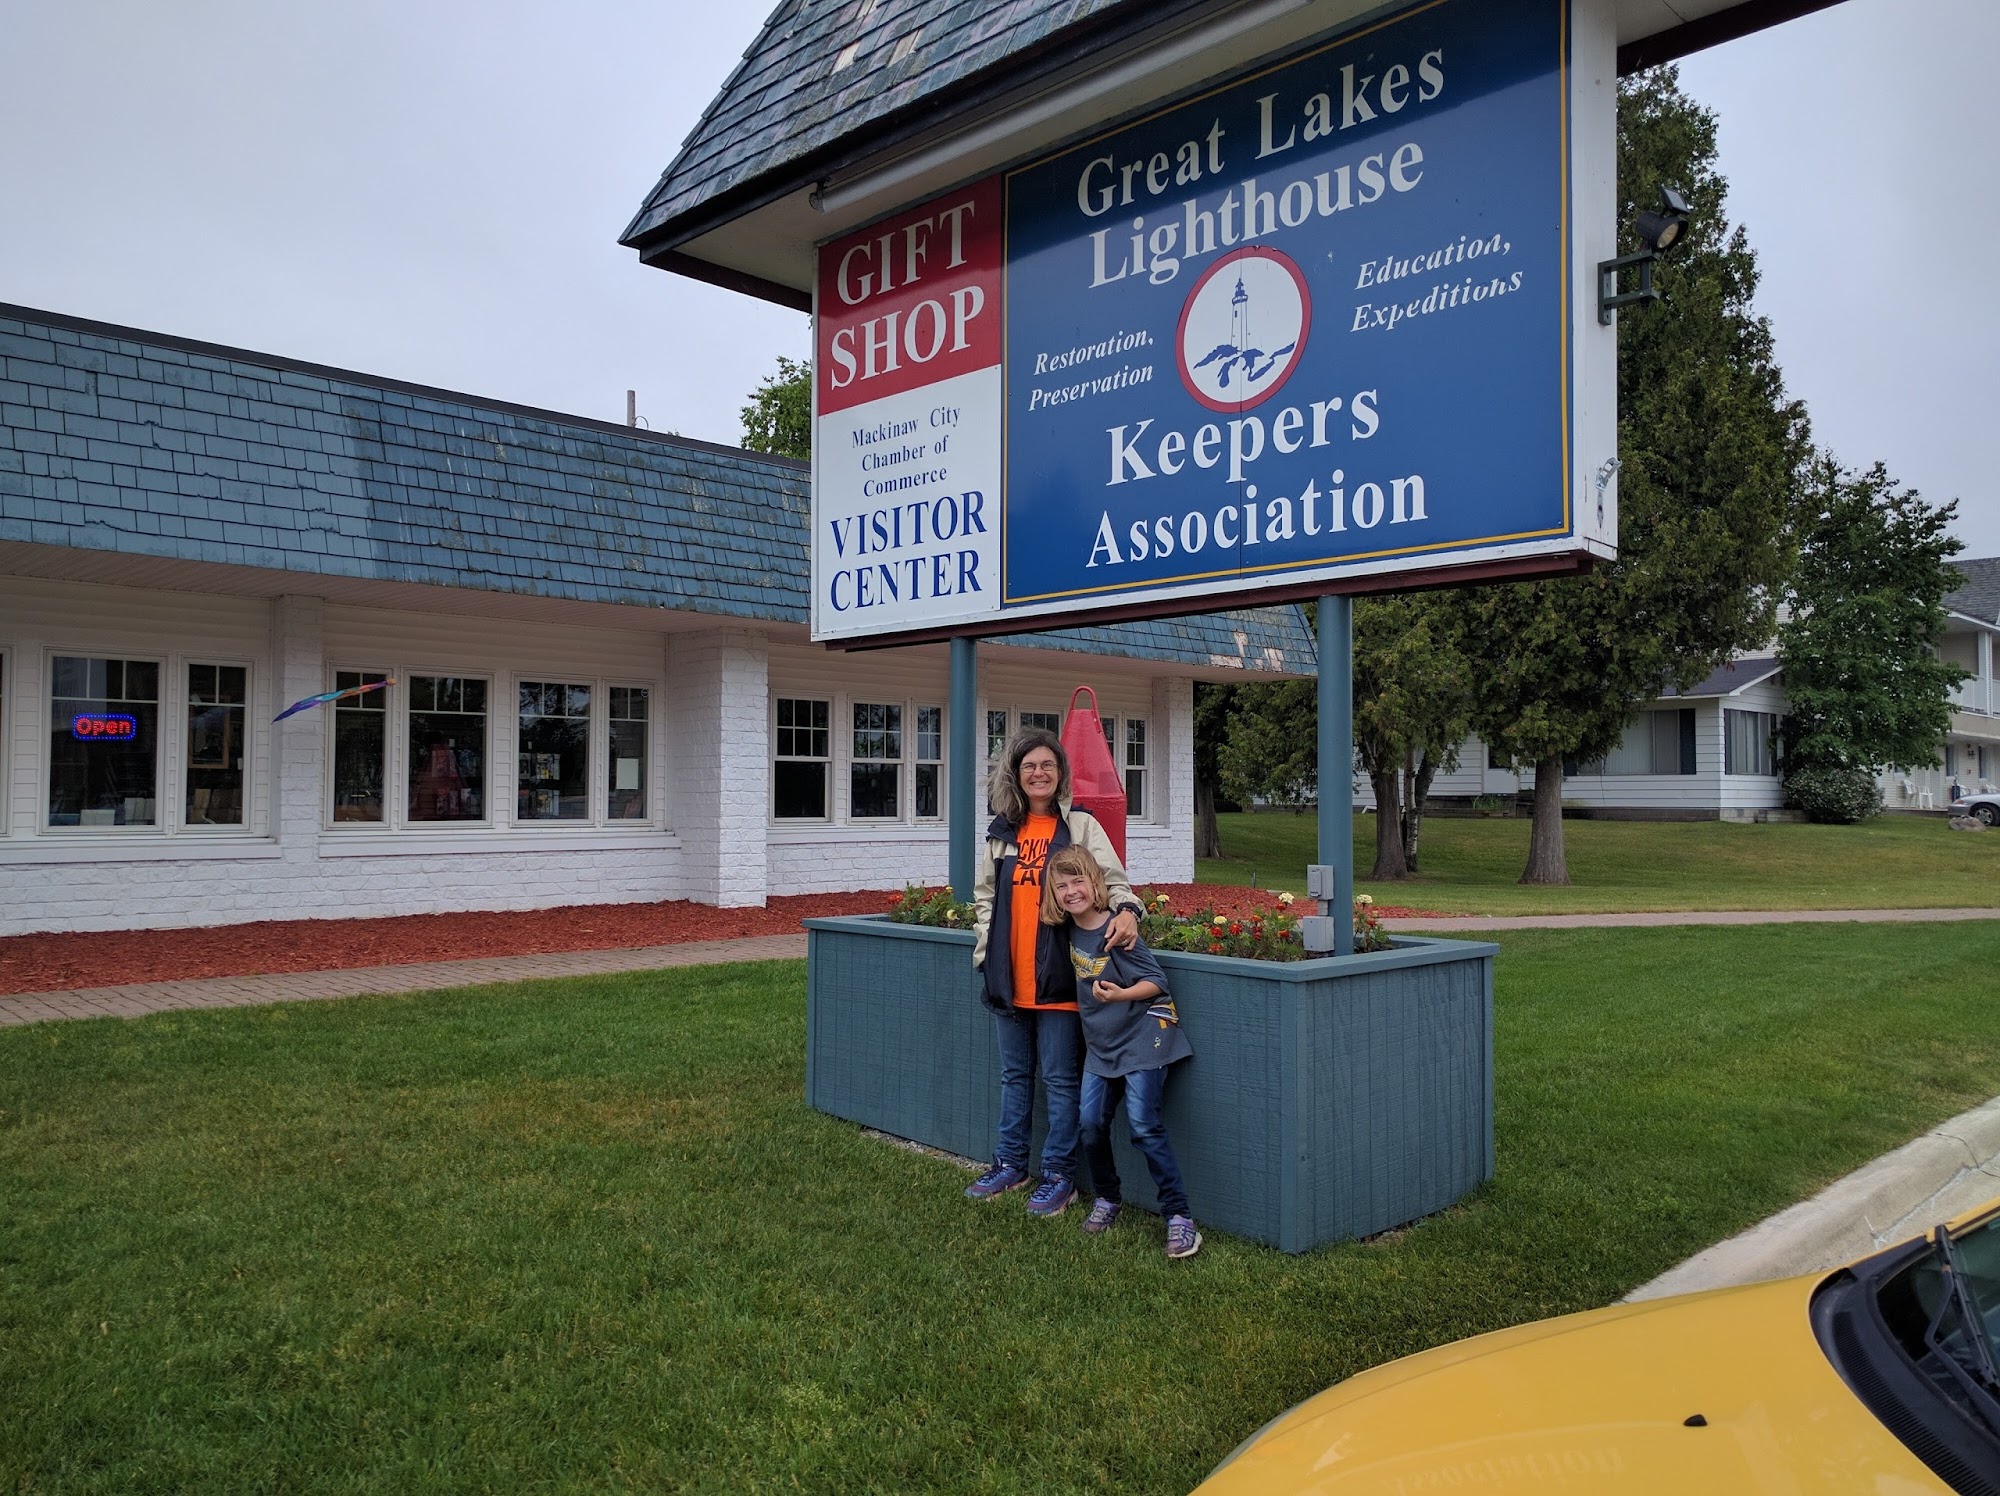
x=1102, y=1214
x=1182, y=1239
x=996, y=1181
x=1051, y=1196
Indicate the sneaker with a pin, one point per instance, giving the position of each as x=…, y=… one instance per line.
x=1051, y=1196
x=996, y=1181
x=1102, y=1214
x=1182, y=1239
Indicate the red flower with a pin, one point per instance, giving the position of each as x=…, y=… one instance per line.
x=1236, y=929
x=1215, y=948
x=1284, y=934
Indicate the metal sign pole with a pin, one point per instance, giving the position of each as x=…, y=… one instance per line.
x=1336, y=764
x=962, y=829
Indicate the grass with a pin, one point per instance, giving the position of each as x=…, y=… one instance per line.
x=584, y=1235
x=1473, y=866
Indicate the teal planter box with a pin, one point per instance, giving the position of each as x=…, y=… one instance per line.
x=1326, y=1099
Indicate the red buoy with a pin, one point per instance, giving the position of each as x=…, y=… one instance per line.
x=1095, y=783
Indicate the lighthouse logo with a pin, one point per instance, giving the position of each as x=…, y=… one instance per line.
x=1243, y=328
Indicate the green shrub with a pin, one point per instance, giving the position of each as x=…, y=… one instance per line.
x=1834, y=797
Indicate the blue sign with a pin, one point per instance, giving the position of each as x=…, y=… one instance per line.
x=1311, y=325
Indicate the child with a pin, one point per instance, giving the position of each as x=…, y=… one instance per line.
x=1132, y=1033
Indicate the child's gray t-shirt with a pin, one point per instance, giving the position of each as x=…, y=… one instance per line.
x=1123, y=1036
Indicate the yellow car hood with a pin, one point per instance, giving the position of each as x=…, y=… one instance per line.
x=1596, y=1402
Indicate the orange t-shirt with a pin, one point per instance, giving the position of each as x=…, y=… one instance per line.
x=1026, y=909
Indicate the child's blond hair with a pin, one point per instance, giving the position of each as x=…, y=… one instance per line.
x=1072, y=862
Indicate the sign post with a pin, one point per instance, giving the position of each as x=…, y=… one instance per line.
x=961, y=828
x=1336, y=764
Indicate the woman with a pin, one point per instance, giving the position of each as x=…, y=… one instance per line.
x=1028, y=981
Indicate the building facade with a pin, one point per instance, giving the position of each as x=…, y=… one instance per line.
x=577, y=657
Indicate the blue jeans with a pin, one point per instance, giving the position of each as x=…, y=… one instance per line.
x=1032, y=1038
x=1143, y=1091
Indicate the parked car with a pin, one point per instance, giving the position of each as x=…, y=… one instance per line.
x=1880, y=1378
x=1986, y=807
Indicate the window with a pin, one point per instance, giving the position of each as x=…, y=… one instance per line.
x=360, y=747
x=104, y=741
x=552, y=777
x=1659, y=742
x=1052, y=721
x=874, y=769
x=217, y=699
x=1748, y=742
x=930, y=762
x=447, y=741
x=1135, y=767
x=996, y=735
x=799, y=775
x=630, y=707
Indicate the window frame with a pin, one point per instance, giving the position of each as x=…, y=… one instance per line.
x=391, y=758
x=596, y=726
x=1769, y=725
x=827, y=761
x=503, y=747
x=897, y=764
x=164, y=712
x=182, y=749
x=489, y=791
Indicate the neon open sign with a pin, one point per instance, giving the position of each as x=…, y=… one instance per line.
x=103, y=727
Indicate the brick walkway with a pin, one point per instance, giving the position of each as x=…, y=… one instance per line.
x=238, y=992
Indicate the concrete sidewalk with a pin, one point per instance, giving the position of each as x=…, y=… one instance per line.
x=1946, y=1172
x=237, y=992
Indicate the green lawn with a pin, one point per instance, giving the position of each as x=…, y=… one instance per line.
x=584, y=1235
x=1473, y=866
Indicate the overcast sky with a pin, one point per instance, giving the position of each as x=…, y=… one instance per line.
x=434, y=192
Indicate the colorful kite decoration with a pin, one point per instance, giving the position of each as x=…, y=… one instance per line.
x=325, y=696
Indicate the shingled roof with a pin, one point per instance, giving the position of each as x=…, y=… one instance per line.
x=826, y=75
x=117, y=440
x=1979, y=597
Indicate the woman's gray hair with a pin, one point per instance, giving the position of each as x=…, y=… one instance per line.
x=1009, y=800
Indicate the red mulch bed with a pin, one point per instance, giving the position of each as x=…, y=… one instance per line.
x=48, y=963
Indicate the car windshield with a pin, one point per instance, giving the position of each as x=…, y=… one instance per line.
x=1945, y=1309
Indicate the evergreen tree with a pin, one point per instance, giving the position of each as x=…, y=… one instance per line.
x=778, y=418
x=1712, y=452
x=1865, y=612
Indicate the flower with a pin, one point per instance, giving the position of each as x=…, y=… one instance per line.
x=1285, y=901
x=1221, y=920
x=1363, y=900
x=1235, y=929
x=1215, y=948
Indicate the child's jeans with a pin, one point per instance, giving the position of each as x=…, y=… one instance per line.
x=1051, y=1042
x=1143, y=1091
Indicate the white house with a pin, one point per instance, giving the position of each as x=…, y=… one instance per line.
x=1707, y=753
x=587, y=647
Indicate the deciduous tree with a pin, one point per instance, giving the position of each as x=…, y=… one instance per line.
x=1712, y=452
x=778, y=418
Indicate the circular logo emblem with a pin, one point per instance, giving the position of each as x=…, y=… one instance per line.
x=1243, y=328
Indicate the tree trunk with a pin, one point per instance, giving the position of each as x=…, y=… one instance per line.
x=1207, y=834
x=1546, y=863
x=1413, y=813
x=1389, y=862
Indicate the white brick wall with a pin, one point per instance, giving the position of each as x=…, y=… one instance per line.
x=710, y=836
x=720, y=717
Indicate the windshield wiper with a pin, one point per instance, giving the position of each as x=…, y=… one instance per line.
x=1980, y=1380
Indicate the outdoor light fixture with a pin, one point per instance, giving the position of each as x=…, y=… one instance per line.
x=1658, y=232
